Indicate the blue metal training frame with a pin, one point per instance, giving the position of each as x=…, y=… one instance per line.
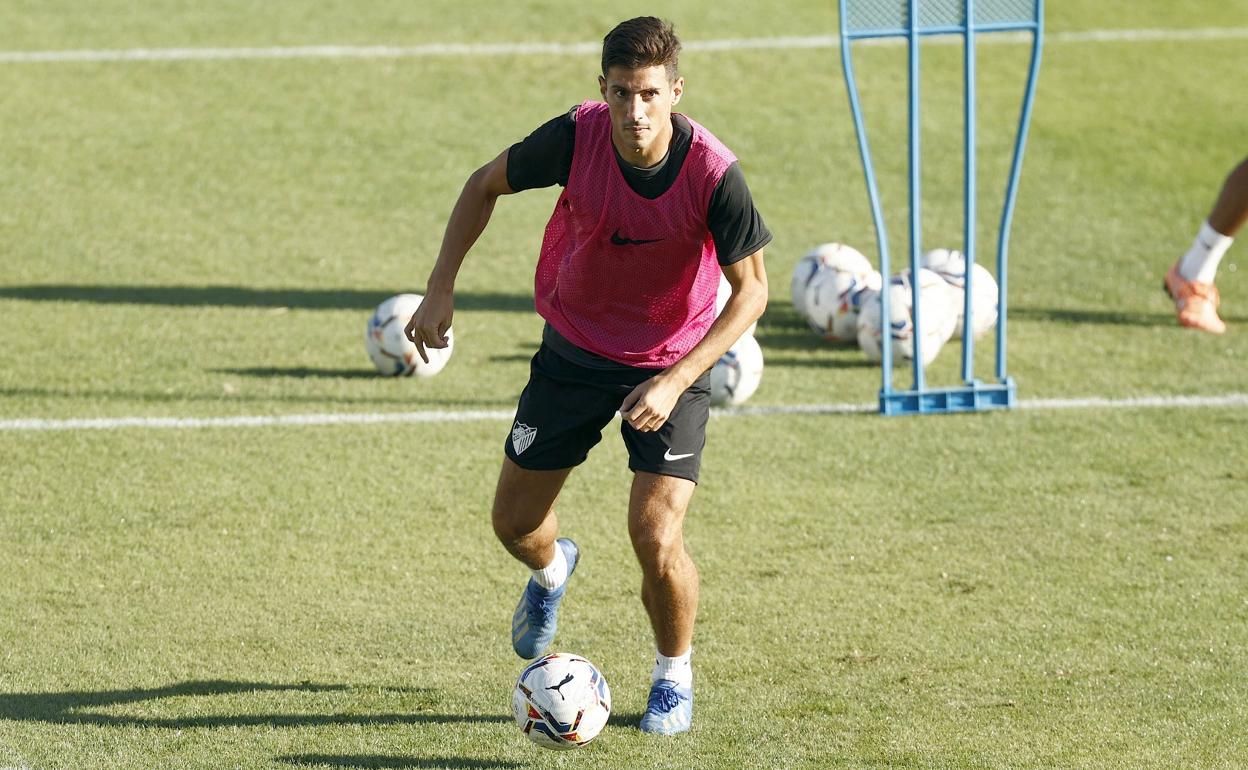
x=912, y=20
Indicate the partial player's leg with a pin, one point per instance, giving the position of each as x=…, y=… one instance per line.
x=559, y=418
x=669, y=591
x=1190, y=281
x=525, y=523
x=669, y=584
x=524, y=512
x=665, y=465
x=1230, y=211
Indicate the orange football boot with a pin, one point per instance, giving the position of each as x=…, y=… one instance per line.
x=1196, y=303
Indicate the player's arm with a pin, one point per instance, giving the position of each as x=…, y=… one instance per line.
x=649, y=405
x=427, y=327
x=543, y=159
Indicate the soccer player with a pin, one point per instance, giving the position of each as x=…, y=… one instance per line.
x=653, y=209
x=1190, y=281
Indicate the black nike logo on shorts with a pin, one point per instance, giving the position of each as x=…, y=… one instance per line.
x=620, y=240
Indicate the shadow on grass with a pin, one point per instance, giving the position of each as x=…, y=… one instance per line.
x=243, y=296
x=1103, y=317
x=1096, y=317
x=825, y=362
x=381, y=761
x=410, y=399
x=68, y=708
x=786, y=332
x=304, y=372
x=631, y=719
x=781, y=328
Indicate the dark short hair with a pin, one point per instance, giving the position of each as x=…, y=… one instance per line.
x=641, y=42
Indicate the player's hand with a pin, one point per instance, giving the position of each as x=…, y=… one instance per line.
x=648, y=405
x=427, y=326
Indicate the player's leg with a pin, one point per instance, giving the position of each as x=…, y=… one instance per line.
x=665, y=466
x=669, y=591
x=525, y=523
x=524, y=512
x=523, y=516
x=1230, y=211
x=557, y=421
x=669, y=582
x=1190, y=282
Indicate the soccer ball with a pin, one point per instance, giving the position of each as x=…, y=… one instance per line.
x=936, y=300
x=721, y=299
x=391, y=351
x=833, y=300
x=814, y=261
x=803, y=272
x=735, y=376
x=561, y=701
x=951, y=266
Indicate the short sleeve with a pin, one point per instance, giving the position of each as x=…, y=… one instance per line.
x=544, y=157
x=734, y=222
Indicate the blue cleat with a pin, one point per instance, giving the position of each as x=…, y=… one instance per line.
x=669, y=710
x=537, y=615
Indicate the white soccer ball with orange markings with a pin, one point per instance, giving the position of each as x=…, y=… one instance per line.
x=561, y=701
x=389, y=348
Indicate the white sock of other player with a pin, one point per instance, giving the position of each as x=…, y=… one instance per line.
x=554, y=574
x=677, y=669
x=1200, y=263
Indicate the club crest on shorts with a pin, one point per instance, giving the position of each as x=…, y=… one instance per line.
x=522, y=436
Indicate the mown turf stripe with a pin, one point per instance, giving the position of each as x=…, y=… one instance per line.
x=1234, y=400
x=576, y=49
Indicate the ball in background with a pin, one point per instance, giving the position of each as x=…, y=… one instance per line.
x=737, y=373
x=389, y=348
x=834, y=298
x=561, y=701
x=950, y=265
x=816, y=259
x=936, y=312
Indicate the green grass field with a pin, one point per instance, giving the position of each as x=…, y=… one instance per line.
x=1045, y=588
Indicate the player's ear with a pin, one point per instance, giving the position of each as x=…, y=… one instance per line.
x=678, y=88
x=602, y=86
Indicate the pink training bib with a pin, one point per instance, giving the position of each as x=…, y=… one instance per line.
x=627, y=278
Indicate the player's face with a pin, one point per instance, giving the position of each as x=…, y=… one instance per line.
x=641, y=102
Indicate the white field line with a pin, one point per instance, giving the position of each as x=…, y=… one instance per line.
x=1239, y=400
x=579, y=49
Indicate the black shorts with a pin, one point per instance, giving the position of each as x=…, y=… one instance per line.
x=564, y=408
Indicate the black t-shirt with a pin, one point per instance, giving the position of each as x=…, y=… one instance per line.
x=544, y=158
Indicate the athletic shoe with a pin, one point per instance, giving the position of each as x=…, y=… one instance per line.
x=537, y=614
x=1196, y=303
x=669, y=709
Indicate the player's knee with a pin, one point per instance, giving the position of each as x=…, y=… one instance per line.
x=660, y=552
x=502, y=527
x=510, y=531
x=508, y=527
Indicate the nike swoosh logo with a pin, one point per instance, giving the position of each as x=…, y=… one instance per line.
x=669, y=456
x=620, y=240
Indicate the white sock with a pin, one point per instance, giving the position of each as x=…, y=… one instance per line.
x=677, y=669
x=554, y=574
x=1200, y=263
